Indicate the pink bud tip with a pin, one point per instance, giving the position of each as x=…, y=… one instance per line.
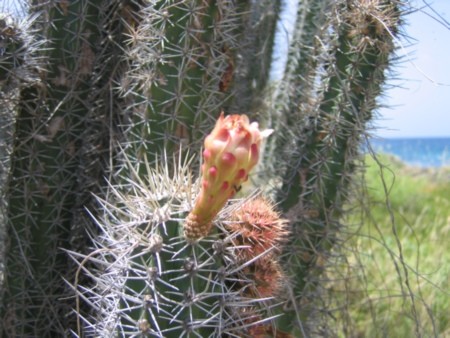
x=205, y=184
x=228, y=159
x=223, y=135
x=254, y=155
x=225, y=186
x=212, y=172
x=246, y=141
x=207, y=154
x=241, y=174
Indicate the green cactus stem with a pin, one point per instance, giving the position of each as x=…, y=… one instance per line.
x=51, y=176
x=180, y=55
x=317, y=183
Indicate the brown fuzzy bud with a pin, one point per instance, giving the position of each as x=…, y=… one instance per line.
x=267, y=277
x=259, y=228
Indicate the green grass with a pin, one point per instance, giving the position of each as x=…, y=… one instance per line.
x=394, y=280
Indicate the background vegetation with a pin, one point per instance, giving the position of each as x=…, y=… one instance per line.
x=394, y=277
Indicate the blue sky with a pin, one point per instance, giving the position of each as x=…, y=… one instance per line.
x=421, y=108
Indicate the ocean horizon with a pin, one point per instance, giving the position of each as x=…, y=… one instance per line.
x=416, y=151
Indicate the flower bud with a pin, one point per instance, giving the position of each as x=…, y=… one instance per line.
x=231, y=150
x=260, y=229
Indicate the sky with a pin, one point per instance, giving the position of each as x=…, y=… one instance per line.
x=420, y=105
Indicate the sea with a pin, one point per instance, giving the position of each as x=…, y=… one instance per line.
x=421, y=152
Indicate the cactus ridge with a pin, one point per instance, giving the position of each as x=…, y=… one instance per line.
x=17, y=48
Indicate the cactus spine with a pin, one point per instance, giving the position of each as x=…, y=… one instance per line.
x=120, y=88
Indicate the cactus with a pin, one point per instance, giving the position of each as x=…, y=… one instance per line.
x=61, y=134
x=336, y=118
x=153, y=279
x=181, y=59
x=127, y=91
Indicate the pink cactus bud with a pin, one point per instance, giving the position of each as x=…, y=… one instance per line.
x=242, y=174
x=212, y=172
x=207, y=154
x=231, y=151
x=228, y=159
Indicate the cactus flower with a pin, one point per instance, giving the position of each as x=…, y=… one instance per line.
x=231, y=150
